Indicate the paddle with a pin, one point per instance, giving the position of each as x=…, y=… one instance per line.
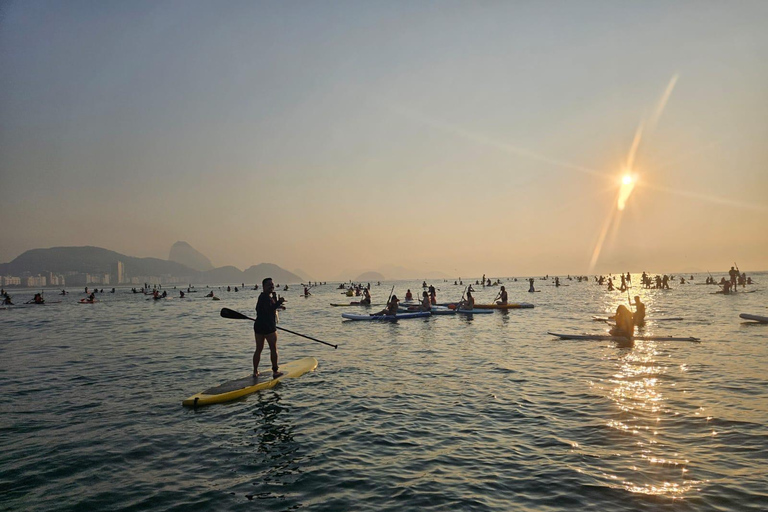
x=235, y=315
x=458, y=306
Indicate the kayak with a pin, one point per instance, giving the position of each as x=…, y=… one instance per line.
x=661, y=319
x=511, y=305
x=237, y=388
x=756, y=318
x=399, y=316
x=619, y=338
x=86, y=301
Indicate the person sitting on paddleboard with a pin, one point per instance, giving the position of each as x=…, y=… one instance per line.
x=426, y=303
x=504, y=297
x=468, y=303
x=408, y=295
x=639, y=316
x=391, y=308
x=531, y=288
x=625, y=324
x=265, y=326
x=366, y=298
x=7, y=300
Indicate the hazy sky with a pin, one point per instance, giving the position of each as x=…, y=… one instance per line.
x=466, y=137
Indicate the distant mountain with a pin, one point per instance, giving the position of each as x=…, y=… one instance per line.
x=252, y=275
x=92, y=260
x=222, y=275
x=95, y=260
x=256, y=273
x=369, y=276
x=182, y=252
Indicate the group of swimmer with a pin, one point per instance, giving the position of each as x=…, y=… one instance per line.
x=479, y=282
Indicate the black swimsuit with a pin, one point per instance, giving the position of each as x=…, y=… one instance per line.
x=266, y=319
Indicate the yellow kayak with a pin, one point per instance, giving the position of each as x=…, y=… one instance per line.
x=237, y=388
x=511, y=305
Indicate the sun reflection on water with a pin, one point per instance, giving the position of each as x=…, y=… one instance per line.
x=637, y=391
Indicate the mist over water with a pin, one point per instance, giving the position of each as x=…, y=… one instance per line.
x=444, y=413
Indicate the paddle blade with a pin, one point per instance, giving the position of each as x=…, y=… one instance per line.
x=236, y=315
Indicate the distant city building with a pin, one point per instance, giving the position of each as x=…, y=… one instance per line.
x=118, y=273
x=10, y=281
x=56, y=279
x=37, y=281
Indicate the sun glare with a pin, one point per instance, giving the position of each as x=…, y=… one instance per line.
x=627, y=185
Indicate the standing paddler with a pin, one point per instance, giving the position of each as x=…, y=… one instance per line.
x=265, y=326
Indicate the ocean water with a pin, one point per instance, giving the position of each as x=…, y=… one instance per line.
x=444, y=413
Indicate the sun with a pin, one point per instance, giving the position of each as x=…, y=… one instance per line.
x=628, y=182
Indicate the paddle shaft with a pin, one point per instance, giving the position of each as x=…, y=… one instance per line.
x=236, y=315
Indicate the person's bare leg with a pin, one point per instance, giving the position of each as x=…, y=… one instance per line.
x=257, y=353
x=272, y=340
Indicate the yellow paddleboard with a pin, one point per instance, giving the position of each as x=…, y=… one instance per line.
x=234, y=389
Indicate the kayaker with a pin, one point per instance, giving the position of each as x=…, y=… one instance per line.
x=39, y=299
x=7, y=300
x=210, y=294
x=639, y=316
x=408, y=295
x=306, y=292
x=391, y=308
x=502, y=296
x=92, y=297
x=265, y=326
x=625, y=324
x=181, y=294
x=366, y=298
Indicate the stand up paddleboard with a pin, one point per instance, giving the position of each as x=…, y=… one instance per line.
x=399, y=316
x=661, y=319
x=237, y=388
x=756, y=318
x=607, y=337
x=511, y=305
x=354, y=304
